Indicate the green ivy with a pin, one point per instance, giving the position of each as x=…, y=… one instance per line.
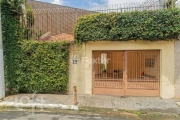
x=31, y=66
x=42, y=67
x=11, y=34
x=137, y=25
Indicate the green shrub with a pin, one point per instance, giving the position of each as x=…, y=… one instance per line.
x=146, y=25
x=31, y=66
x=12, y=31
x=43, y=67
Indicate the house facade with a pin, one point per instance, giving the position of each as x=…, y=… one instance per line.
x=126, y=68
x=121, y=68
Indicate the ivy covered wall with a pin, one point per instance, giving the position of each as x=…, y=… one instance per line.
x=42, y=67
x=31, y=66
x=137, y=25
x=11, y=35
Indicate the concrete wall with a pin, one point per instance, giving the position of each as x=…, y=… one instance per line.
x=177, y=69
x=83, y=77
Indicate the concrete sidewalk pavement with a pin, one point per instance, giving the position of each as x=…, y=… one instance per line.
x=100, y=101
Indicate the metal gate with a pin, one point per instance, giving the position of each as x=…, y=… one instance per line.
x=126, y=73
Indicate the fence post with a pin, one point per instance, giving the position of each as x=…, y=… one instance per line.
x=2, y=82
x=75, y=95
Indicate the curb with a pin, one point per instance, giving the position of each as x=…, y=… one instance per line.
x=39, y=105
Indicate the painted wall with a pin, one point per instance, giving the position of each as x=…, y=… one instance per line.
x=177, y=69
x=83, y=79
x=77, y=70
x=2, y=82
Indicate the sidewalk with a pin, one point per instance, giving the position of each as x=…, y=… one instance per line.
x=101, y=101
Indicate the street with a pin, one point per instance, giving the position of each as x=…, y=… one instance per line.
x=85, y=113
x=25, y=115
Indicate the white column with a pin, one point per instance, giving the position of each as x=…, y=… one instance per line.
x=2, y=82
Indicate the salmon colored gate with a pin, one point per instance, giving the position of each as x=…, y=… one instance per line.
x=126, y=73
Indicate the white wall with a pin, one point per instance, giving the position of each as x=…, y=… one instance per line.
x=2, y=84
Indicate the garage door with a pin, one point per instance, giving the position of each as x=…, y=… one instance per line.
x=126, y=73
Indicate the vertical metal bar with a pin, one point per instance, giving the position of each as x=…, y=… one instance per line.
x=98, y=66
x=67, y=21
x=154, y=69
x=32, y=23
x=41, y=24
x=47, y=21
x=100, y=72
x=106, y=66
x=51, y=22
x=113, y=67
x=144, y=67
x=159, y=70
x=125, y=73
x=58, y=13
x=118, y=68
x=93, y=71
x=141, y=67
x=93, y=80
x=109, y=65
x=141, y=64
x=133, y=68
x=136, y=64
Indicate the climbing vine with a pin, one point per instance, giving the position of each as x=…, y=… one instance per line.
x=11, y=11
x=137, y=25
x=30, y=66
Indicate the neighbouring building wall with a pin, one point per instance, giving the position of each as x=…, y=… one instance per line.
x=177, y=69
x=56, y=19
x=80, y=74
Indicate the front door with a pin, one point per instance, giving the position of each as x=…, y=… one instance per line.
x=126, y=73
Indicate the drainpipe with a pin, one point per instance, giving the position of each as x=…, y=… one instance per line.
x=2, y=82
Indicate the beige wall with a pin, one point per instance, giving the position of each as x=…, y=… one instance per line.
x=77, y=71
x=166, y=63
x=177, y=68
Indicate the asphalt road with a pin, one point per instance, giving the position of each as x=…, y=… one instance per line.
x=24, y=115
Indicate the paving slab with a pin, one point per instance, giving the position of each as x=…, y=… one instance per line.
x=100, y=101
x=130, y=103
